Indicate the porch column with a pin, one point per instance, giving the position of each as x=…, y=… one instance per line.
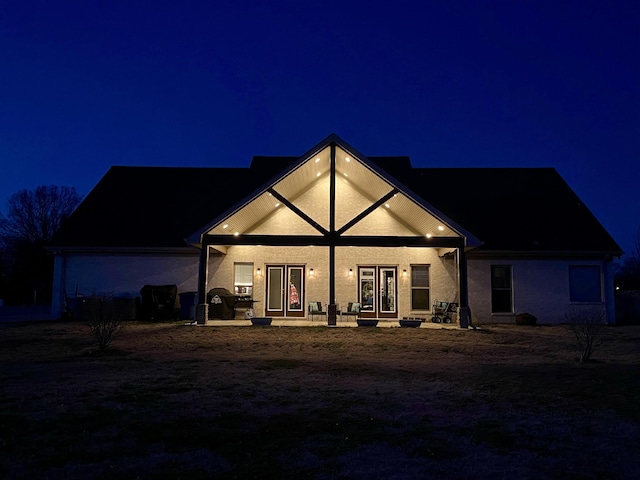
x=203, y=268
x=464, y=315
x=462, y=272
x=331, y=310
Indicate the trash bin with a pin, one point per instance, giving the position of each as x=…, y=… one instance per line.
x=158, y=302
x=188, y=305
x=221, y=303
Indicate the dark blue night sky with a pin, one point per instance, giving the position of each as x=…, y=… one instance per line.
x=89, y=84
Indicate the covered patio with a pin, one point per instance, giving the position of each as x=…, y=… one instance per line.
x=335, y=229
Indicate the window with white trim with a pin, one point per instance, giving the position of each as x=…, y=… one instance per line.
x=243, y=279
x=501, y=291
x=420, y=295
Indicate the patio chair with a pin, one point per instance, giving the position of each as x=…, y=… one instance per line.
x=351, y=310
x=315, y=309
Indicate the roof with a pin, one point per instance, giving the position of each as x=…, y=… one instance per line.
x=522, y=209
x=508, y=209
x=153, y=207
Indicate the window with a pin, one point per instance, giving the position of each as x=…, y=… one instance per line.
x=584, y=283
x=501, y=289
x=243, y=279
x=420, y=287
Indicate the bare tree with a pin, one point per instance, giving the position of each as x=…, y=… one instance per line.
x=32, y=218
x=105, y=324
x=35, y=215
x=587, y=324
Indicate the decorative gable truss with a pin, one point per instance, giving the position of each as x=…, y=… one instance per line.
x=333, y=196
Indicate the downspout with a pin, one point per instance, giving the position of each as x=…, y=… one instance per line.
x=609, y=290
x=58, y=294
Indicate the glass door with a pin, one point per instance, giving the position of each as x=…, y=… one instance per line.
x=377, y=291
x=388, y=290
x=275, y=291
x=285, y=291
x=295, y=292
x=367, y=291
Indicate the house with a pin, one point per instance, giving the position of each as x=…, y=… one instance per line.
x=339, y=227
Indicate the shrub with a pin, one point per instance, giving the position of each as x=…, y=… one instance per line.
x=587, y=324
x=106, y=324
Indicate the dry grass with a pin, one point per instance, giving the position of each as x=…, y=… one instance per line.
x=169, y=401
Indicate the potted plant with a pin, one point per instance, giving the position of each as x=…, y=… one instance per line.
x=410, y=322
x=367, y=322
x=263, y=321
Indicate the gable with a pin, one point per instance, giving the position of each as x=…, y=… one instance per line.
x=333, y=188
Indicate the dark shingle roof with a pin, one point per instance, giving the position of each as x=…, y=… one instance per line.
x=521, y=209
x=531, y=209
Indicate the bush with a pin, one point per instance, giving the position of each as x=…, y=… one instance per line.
x=587, y=324
x=526, y=319
x=106, y=324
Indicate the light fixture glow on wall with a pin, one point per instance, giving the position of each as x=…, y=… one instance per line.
x=311, y=272
x=351, y=272
x=404, y=273
x=258, y=271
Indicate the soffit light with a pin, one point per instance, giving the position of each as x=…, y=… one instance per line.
x=225, y=226
x=441, y=228
x=347, y=159
x=428, y=235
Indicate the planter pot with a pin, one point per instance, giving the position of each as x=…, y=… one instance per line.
x=410, y=322
x=367, y=322
x=261, y=321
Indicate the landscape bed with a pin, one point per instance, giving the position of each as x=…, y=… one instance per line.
x=170, y=401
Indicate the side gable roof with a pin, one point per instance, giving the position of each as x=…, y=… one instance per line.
x=152, y=207
x=509, y=209
x=522, y=209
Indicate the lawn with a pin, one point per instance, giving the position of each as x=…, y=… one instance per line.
x=169, y=401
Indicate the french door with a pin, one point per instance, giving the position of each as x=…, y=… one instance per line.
x=377, y=291
x=285, y=291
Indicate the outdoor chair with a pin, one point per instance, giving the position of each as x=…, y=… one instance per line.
x=351, y=310
x=315, y=309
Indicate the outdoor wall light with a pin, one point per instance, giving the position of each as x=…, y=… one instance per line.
x=351, y=272
x=311, y=272
x=258, y=271
x=404, y=273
